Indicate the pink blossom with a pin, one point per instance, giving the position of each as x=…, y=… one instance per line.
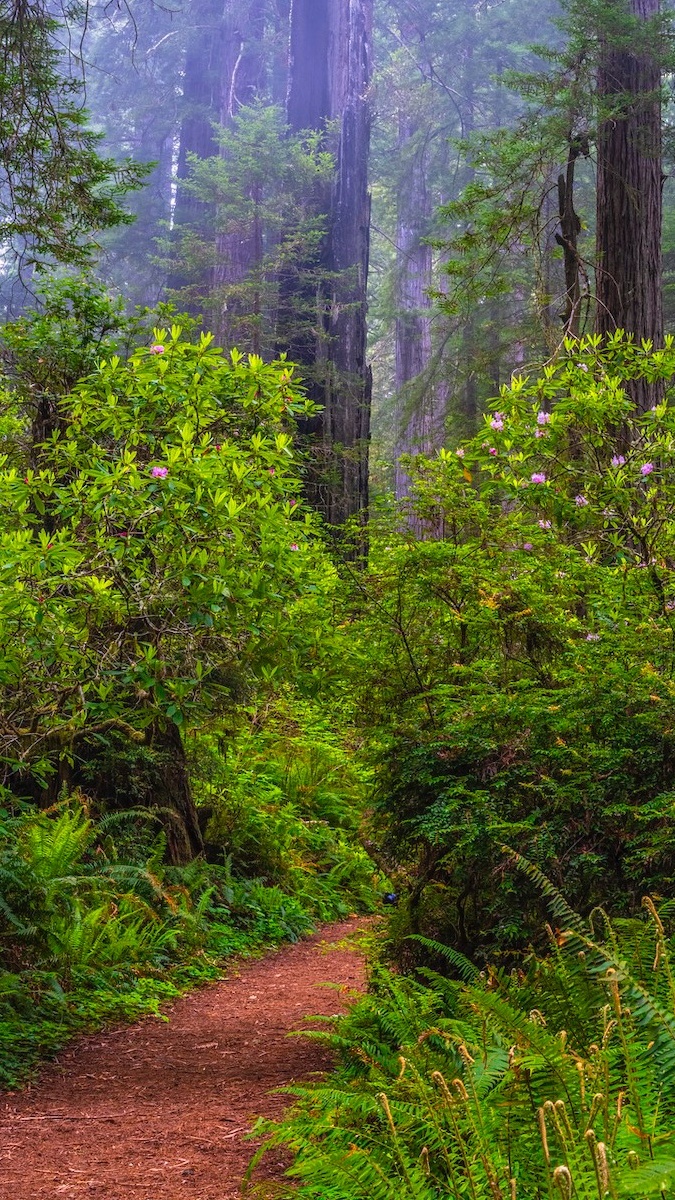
x=592, y=637
x=497, y=421
x=580, y=501
x=157, y=349
x=538, y=477
x=271, y=471
x=294, y=546
x=538, y=433
x=618, y=460
x=159, y=472
x=544, y=524
x=460, y=453
x=543, y=418
x=646, y=468
x=528, y=546
x=492, y=450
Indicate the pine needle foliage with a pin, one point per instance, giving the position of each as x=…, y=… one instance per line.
x=553, y=1082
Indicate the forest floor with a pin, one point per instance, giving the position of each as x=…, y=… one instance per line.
x=160, y=1110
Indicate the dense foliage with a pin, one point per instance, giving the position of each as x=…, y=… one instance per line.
x=162, y=591
x=216, y=715
x=57, y=192
x=553, y=1081
x=512, y=648
x=95, y=927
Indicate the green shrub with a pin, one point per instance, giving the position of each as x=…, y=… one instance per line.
x=286, y=803
x=510, y=652
x=86, y=938
x=556, y=1081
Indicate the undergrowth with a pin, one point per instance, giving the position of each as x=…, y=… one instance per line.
x=96, y=928
x=553, y=1082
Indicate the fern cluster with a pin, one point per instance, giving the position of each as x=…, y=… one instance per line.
x=94, y=926
x=550, y=1083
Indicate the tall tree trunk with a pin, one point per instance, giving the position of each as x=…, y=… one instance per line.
x=414, y=421
x=568, y=238
x=629, y=195
x=119, y=774
x=172, y=793
x=202, y=104
x=329, y=79
x=237, y=255
x=222, y=69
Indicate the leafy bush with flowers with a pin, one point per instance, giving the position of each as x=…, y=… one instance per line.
x=513, y=647
x=152, y=547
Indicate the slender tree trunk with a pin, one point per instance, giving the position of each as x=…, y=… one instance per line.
x=568, y=238
x=239, y=255
x=629, y=195
x=330, y=72
x=202, y=104
x=222, y=72
x=415, y=415
x=348, y=428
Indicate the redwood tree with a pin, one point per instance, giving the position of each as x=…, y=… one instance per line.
x=330, y=74
x=630, y=179
x=222, y=72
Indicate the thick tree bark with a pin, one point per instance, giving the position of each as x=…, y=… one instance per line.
x=629, y=196
x=309, y=98
x=171, y=792
x=330, y=73
x=118, y=774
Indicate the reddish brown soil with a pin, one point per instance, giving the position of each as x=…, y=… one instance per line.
x=159, y=1111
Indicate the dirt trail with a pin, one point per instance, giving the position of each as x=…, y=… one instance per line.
x=160, y=1111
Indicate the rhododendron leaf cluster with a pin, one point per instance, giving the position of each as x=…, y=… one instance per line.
x=147, y=549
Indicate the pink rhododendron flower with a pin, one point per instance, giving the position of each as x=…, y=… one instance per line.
x=540, y=433
x=580, y=501
x=618, y=460
x=294, y=546
x=271, y=471
x=528, y=546
x=460, y=453
x=646, y=468
x=544, y=524
x=592, y=637
x=157, y=349
x=492, y=450
x=538, y=477
x=159, y=472
x=543, y=418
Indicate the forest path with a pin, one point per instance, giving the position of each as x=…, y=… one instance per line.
x=159, y=1111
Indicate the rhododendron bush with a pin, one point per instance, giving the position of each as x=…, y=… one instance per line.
x=515, y=654
x=151, y=548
